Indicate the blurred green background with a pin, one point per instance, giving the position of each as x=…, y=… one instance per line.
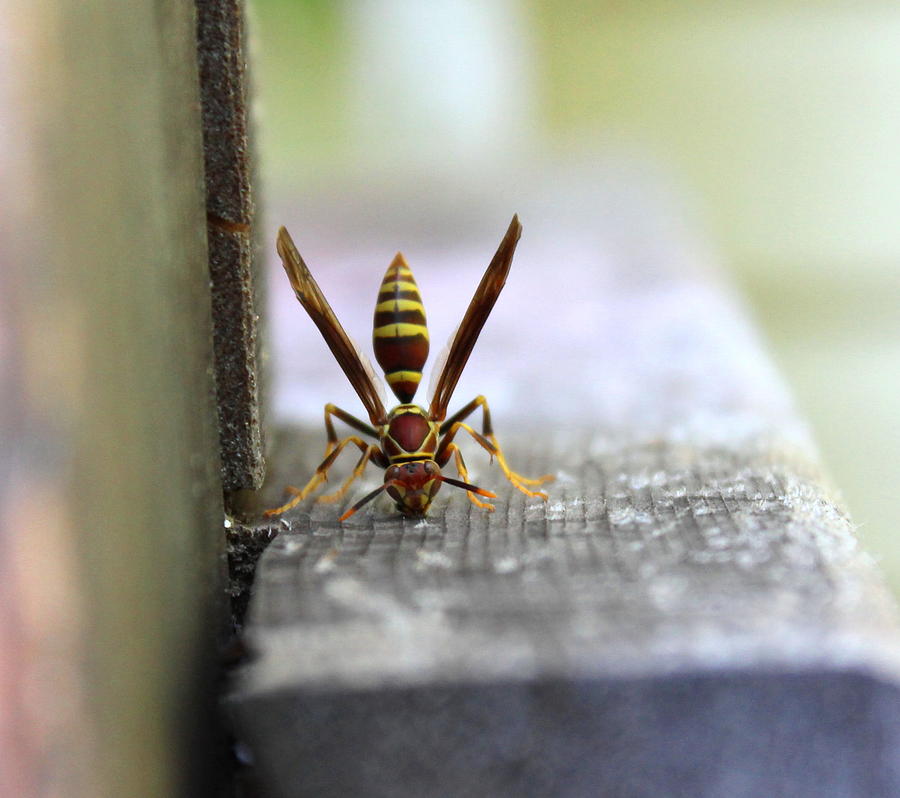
x=780, y=121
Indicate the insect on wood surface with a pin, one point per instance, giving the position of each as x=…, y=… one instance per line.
x=413, y=443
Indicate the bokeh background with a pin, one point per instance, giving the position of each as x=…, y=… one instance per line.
x=776, y=121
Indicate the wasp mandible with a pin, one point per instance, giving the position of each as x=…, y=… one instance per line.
x=413, y=443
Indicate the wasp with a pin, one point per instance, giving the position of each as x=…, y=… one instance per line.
x=413, y=444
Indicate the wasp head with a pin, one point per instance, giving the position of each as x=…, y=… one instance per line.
x=413, y=485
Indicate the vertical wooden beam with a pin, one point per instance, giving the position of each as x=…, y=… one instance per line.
x=109, y=475
x=233, y=256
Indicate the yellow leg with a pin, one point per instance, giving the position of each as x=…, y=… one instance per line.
x=464, y=475
x=331, y=454
x=347, y=418
x=514, y=476
x=490, y=445
x=488, y=441
x=368, y=453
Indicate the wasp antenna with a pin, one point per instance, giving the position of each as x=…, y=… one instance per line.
x=364, y=500
x=466, y=486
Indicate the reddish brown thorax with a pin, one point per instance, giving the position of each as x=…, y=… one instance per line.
x=409, y=432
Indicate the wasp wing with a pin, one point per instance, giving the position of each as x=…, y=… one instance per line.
x=355, y=365
x=479, y=309
x=376, y=381
x=440, y=363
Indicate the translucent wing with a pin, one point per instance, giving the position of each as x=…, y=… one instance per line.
x=355, y=365
x=376, y=381
x=440, y=363
x=479, y=309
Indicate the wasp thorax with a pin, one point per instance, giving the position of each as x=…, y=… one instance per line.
x=413, y=485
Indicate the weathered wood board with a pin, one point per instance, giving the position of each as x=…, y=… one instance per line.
x=687, y=615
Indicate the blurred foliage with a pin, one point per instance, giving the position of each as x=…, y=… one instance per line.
x=297, y=48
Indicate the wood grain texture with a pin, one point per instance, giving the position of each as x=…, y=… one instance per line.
x=688, y=614
x=233, y=247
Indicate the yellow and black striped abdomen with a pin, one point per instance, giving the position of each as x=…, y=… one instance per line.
x=400, y=337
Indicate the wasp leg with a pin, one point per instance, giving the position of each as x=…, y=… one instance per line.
x=372, y=453
x=464, y=474
x=489, y=442
x=334, y=443
x=491, y=447
x=349, y=419
x=331, y=454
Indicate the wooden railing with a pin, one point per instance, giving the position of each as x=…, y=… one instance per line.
x=688, y=614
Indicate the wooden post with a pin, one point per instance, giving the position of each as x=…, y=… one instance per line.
x=111, y=494
x=232, y=218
